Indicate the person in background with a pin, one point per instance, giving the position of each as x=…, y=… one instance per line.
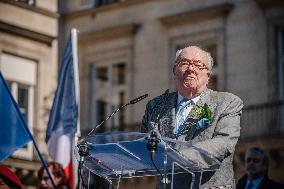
x=256, y=177
x=8, y=179
x=217, y=115
x=57, y=173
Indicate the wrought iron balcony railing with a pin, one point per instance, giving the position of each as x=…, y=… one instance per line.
x=263, y=120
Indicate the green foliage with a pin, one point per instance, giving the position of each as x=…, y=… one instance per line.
x=203, y=112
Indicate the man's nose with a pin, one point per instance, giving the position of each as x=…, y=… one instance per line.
x=190, y=66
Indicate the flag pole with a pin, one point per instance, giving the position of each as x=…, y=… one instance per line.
x=74, y=41
x=42, y=159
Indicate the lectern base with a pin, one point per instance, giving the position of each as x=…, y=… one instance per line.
x=126, y=183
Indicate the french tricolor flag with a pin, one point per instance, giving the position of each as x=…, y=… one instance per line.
x=63, y=124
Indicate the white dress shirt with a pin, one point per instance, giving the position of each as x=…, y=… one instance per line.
x=188, y=108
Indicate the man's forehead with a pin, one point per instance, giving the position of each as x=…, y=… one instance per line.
x=193, y=53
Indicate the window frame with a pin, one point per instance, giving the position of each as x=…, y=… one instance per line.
x=15, y=80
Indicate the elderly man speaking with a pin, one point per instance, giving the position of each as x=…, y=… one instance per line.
x=217, y=113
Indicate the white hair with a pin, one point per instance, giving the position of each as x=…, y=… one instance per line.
x=209, y=57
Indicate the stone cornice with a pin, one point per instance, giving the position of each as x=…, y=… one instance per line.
x=109, y=7
x=108, y=34
x=19, y=31
x=198, y=15
x=32, y=8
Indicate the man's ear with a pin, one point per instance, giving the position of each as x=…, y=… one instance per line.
x=209, y=73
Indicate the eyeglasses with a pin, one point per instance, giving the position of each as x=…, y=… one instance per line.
x=45, y=178
x=186, y=63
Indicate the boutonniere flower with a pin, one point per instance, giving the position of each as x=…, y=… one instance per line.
x=203, y=117
x=202, y=112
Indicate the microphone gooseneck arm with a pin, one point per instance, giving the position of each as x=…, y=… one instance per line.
x=83, y=146
x=117, y=110
x=134, y=101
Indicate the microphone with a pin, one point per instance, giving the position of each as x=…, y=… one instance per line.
x=134, y=101
x=152, y=144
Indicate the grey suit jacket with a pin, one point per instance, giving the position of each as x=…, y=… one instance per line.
x=219, y=139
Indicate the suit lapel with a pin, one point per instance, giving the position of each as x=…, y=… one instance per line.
x=168, y=122
x=203, y=99
x=191, y=119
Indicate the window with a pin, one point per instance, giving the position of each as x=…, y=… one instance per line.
x=28, y=2
x=110, y=92
x=119, y=74
x=104, y=2
x=20, y=74
x=213, y=82
x=280, y=73
x=84, y=4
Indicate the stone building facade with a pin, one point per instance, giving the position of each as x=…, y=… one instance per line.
x=28, y=61
x=127, y=48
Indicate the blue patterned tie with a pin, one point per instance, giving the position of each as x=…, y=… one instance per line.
x=180, y=116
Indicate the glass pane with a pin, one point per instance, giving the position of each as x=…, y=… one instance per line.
x=212, y=49
x=102, y=73
x=101, y=113
x=122, y=112
x=119, y=72
x=29, y=2
x=105, y=2
x=23, y=99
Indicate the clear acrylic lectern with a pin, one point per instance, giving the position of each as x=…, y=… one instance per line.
x=118, y=155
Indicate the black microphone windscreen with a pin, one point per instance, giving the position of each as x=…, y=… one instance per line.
x=138, y=99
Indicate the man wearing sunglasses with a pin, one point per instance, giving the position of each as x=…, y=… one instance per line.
x=216, y=115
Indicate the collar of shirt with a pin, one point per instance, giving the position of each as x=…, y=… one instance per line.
x=255, y=182
x=180, y=98
x=188, y=109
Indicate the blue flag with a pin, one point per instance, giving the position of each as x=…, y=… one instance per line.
x=14, y=132
x=63, y=119
x=64, y=112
